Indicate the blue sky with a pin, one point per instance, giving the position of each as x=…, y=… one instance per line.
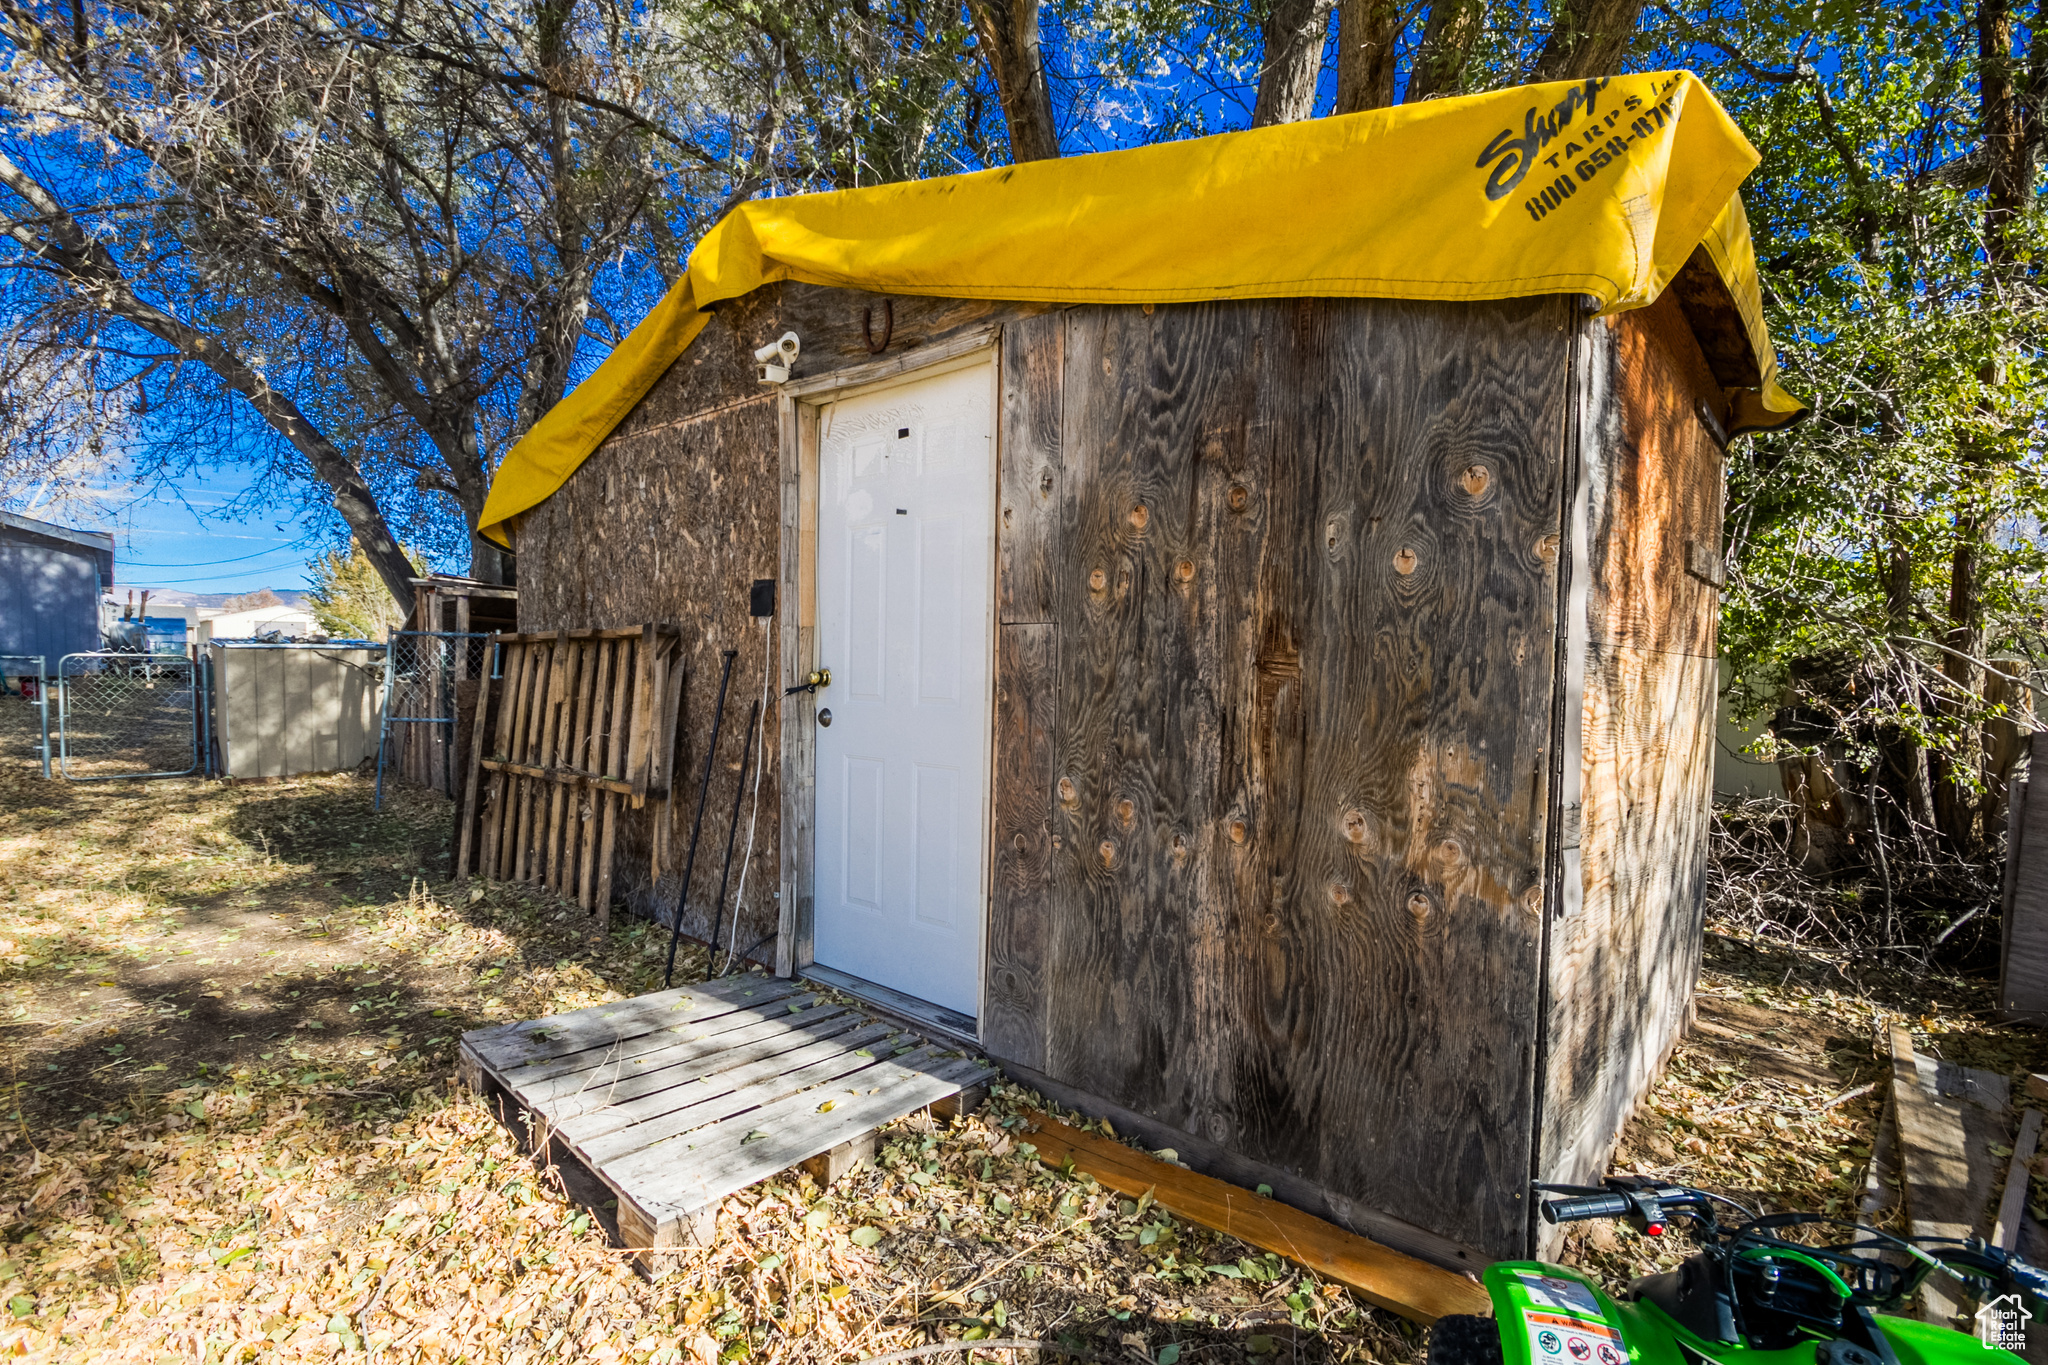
x=189, y=537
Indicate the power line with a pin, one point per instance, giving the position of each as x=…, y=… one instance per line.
x=174, y=582
x=209, y=563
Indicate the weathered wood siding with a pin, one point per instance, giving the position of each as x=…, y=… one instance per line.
x=672, y=519
x=1280, y=691
x=1300, y=638
x=1624, y=950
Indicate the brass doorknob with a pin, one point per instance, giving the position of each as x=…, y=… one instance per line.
x=817, y=678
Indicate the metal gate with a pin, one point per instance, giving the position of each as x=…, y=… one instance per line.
x=129, y=715
x=423, y=675
x=31, y=674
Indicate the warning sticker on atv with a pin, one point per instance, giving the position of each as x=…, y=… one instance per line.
x=1560, y=1339
x=1554, y=1291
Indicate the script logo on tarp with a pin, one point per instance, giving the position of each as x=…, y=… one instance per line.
x=1591, y=139
x=2002, y=1324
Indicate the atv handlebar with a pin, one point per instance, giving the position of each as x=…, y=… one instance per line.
x=1649, y=1206
x=1585, y=1206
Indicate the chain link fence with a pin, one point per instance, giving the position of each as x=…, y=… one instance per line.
x=129, y=715
x=430, y=687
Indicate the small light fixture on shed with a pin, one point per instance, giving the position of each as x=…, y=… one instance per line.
x=776, y=357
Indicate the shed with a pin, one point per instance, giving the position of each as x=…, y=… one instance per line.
x=1268, y=587
x=54, y=577
x=280, y=710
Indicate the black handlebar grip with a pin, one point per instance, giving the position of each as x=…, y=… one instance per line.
x=1585, y=1206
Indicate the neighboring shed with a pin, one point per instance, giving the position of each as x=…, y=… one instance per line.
x=53, y=579
x=284, y=709
x=1272, y=678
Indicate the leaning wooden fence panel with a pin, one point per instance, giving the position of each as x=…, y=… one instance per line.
x=584, y=725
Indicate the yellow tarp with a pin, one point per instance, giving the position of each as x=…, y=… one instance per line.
x=1600, y=187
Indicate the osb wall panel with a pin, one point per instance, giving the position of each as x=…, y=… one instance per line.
x=672, y=519
x=1305, y=596
x=1623, y=963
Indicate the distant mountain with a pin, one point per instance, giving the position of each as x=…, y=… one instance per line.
x=173, y=597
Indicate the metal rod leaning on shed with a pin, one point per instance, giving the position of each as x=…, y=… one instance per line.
x=675, y=928
x=739, y=793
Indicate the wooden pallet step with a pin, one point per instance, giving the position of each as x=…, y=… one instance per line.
x=674, y=1100
x=606, y=1108
x=748, y=1148
x=703, y=1035
x=600, y=1025
x=664, y=1121
x=699, y=1052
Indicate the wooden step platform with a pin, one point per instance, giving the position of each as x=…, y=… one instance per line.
x=678, y=1099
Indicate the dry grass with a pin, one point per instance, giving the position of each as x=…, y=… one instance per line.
x=230, y=1016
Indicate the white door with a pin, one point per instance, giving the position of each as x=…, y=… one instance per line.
x=905, y=549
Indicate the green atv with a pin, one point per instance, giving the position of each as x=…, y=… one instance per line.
x=1749, y=1297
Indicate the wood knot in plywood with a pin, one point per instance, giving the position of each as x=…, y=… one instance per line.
x=1184, y=570
x=1237, y=831
x=1419, y=907
x=1279, y=657
x=1097, y=580
x=1474, y=479
x=1354, y=826
x=1124, y=811
x=1340, y=894
x=1180, y=851
x=1237, y=498
x=1067, y=791
x=1108, y=852
x=1139, y=516
x=1546, y=549
x=1404, y=561
x=1148, y=310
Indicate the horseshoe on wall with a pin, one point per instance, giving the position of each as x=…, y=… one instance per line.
x=867, y=326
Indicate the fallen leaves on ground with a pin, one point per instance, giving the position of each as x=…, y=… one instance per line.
x=231, y=1019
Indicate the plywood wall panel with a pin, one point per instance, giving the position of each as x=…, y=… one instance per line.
x=1013, y=1020
x=1623, y=962
x=1305, y=679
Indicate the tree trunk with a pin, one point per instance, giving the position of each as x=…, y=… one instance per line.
x=1008, y=33
x=1587, y=38
x=1438, y=66
x=1959, y=802
x=1293, y=33
x=1366, y=56
x=1902, y=759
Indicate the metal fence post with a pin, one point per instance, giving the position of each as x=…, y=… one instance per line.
x=42, y=663
x=202, y=697
x=384, y=717
x=43, y=705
